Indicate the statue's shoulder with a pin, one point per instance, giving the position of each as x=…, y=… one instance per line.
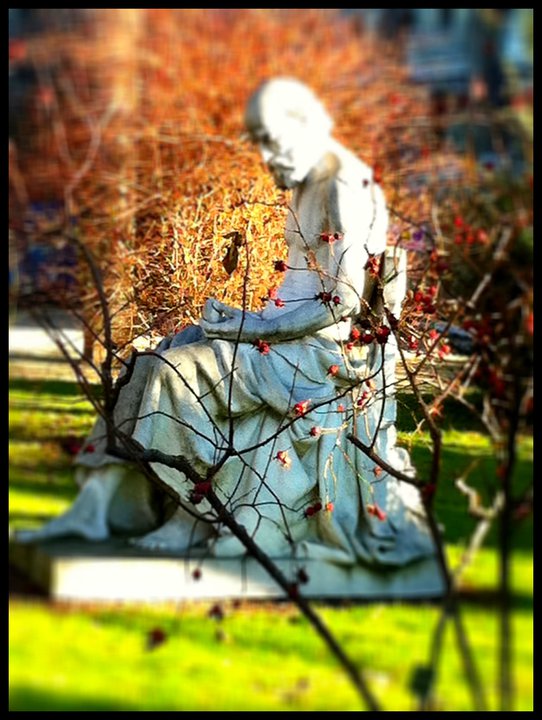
x=338, y=166
x=352, y=171
x=353, y=182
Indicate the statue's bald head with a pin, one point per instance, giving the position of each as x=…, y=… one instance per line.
x=291, y=127
x=280, y=99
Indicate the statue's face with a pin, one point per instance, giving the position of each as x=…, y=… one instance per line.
x=288, y=149
x=291, y=128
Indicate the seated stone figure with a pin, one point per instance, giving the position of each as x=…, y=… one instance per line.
x=283, y=387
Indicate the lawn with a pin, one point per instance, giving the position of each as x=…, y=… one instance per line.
x=258, y=656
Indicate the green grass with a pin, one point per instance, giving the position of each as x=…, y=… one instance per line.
x=469, y=454
x=41, y=414
x=259, y=657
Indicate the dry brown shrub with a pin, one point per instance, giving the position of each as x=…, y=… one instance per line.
x=144, y=138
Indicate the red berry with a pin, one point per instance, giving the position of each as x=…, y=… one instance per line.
x=315, y=431
x=497, y=383
x=216, y=612
x=45, y=96
x=413, y=343
x=283, y=458
x=393, y=321
x=155, y=637
x=333, y=370
x=376, y=511
x=280, y=266
x=330, y=237
x=373, y=265
x=361, y=400
x=313, y=509
x=17, y=50
x=261, y=346
x=302, y=408
x=428, y=491
x=71, y=445
x=382, y=334
x=522, y=511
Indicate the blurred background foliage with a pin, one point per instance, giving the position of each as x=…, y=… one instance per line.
x=126, y=130
x=126, y=134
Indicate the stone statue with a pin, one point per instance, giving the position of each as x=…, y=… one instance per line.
x=286, y=385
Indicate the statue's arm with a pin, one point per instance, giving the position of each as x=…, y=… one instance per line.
x=307, y=318
x=360, y=218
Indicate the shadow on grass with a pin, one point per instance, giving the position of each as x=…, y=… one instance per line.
x=33, y=429
x=61, y=388
x=29, y=518
x=63, y=487
x=21, y=586
x=490, y=599
x=24, y=697
x=26, y=406
x=451, y=505
x=454, y=414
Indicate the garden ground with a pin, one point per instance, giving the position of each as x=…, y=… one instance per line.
x=250, y=656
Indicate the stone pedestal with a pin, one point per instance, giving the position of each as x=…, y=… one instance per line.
x=113, y=571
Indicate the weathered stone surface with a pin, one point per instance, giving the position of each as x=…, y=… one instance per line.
x=256, y=385
x=113, y=571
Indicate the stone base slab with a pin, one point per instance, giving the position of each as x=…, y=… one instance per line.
x=113, y=571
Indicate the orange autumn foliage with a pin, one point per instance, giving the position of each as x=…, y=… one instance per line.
x=144, y=134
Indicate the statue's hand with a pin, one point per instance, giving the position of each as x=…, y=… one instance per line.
x=213, y=311
x=222, y=321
